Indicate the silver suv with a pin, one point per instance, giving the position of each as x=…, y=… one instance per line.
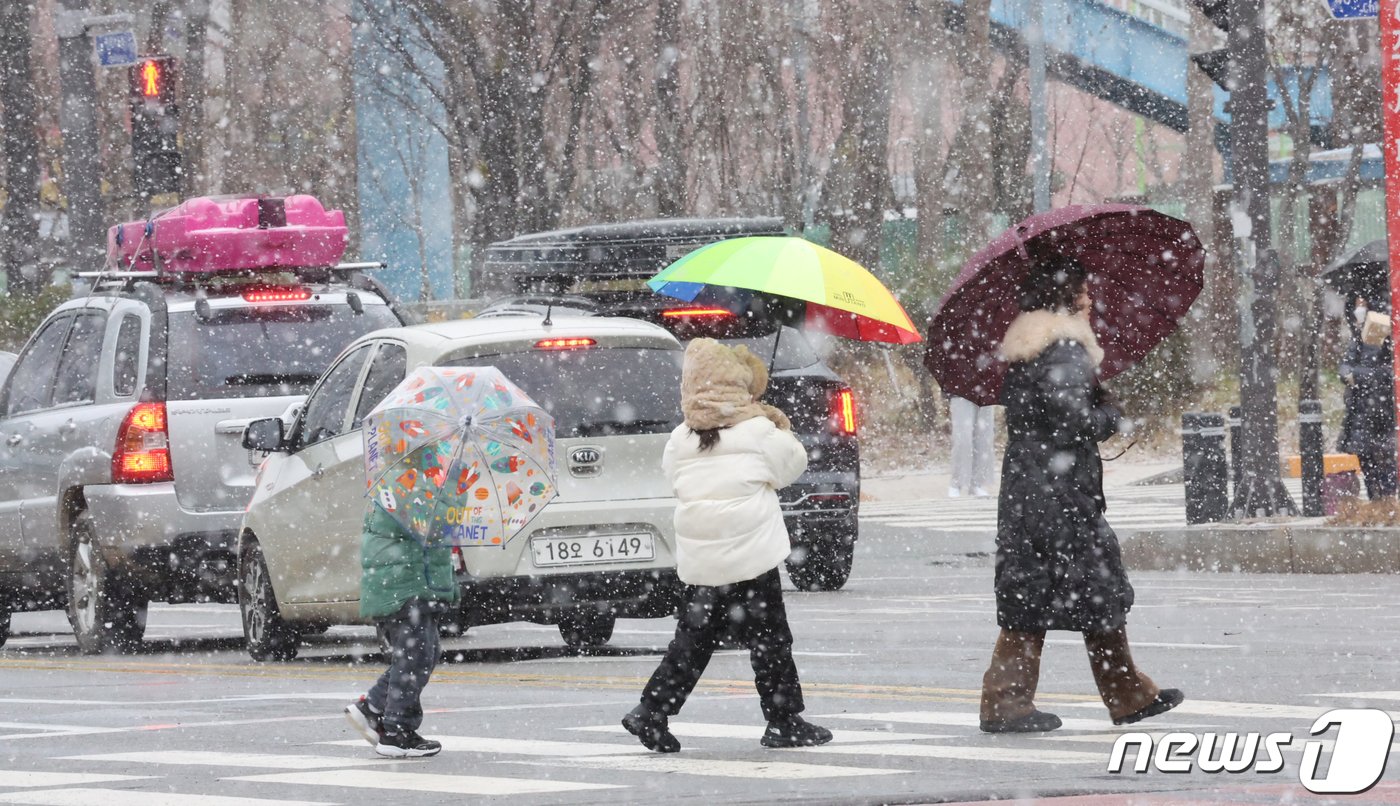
x=122, y=474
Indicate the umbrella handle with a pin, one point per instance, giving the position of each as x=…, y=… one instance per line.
x=1021, y=243
x=774, y=358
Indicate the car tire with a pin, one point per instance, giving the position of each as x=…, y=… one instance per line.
x=4, y=625
x=106, y=609
x=267, y=635
x=824, y=564
x=586, y=627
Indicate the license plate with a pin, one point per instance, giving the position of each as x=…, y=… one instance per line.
x=626, y=548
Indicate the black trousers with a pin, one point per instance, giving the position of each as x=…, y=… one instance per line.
x=1378, y=468
x=752, y=611
x=412, y=635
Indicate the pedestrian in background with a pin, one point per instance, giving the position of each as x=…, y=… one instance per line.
x=974, y=448
x=1368, y=427
x=1058, y=565
x=726, y=463
x=404, y=585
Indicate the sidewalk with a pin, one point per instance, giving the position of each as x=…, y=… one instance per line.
x=933, y=483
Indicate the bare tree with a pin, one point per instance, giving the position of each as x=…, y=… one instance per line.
x=19, y=229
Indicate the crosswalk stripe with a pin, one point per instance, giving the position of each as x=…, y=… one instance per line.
x=1258, y=710
x=955, y=718
x=522, y=747
x=126, y=797
x=23, y=778
x=422, y=782
x=761, y=770
x=706, y=730
x=1017, y=755
x=209, y=758
x=1365, y=695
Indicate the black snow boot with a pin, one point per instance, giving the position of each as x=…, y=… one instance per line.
x=794, y=731
x=652, y=729
x=365, y=721
x=1034, y=722
x=1167, y=699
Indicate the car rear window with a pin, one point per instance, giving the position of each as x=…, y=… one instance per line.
x=794, y=351
x=261, y=351
x=596, y=392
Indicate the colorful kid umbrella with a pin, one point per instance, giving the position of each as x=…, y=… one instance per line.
x=1144, y=273
x=841, y=297
x=460, y=456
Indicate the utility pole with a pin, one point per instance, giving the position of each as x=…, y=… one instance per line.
x=78, y=119
x=1260, y=491
x=1040, y=147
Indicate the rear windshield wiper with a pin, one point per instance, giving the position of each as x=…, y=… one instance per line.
x=271, y=379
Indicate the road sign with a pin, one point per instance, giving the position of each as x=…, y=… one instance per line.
x=115, y=49
x=1354, y=9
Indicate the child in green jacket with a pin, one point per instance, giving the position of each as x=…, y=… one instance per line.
x=403, y=588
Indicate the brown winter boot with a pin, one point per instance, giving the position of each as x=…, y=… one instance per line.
x=1125, y=689
x=1008, y=687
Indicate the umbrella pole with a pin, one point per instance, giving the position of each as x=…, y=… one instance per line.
x=774, y=358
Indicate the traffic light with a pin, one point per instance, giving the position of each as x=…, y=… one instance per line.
x=155, y=126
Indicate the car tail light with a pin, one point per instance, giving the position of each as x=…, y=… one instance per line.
x=843, y=411
x=143, y=447
x=564, y=344
x=271, y=294
x=687, y=313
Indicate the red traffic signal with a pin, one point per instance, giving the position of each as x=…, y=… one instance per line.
x=153, y=79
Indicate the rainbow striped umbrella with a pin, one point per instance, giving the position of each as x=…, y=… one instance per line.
x=841, y=296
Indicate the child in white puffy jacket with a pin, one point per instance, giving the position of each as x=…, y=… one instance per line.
x=726, y=463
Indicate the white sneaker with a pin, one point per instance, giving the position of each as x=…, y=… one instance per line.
x=981, y=492
x=954, y=492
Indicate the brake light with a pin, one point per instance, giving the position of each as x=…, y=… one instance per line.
x=685, y=313
x=143, y=447
x=564, y=344
x=268, y=294
x=843, y=411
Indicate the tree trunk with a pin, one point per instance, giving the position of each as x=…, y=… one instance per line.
x=192, y=93
x=670, y=167
x=856, y=232
x=19, y=229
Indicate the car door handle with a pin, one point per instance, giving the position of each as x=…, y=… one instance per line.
x=71, y=425
x=14, y=440
x=319, y=472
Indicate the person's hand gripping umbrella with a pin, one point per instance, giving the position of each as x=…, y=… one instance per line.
x=460, y=456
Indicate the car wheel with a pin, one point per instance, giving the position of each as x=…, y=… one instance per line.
x=586, y=627
x=268, y=637
x=824, y=564
x=4, y=625
x=105, y=608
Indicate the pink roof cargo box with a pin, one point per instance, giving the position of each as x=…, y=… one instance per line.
x=210, y=234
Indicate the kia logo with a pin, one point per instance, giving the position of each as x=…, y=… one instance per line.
x=585, y=456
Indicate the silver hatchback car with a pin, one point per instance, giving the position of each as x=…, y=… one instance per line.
x=604, y=548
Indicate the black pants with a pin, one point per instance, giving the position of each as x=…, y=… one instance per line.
x=1378, y=468
x=414, y=650
x=754, y=610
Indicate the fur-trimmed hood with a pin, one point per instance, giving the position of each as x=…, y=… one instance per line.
x=1033, y=331
x=720, y=385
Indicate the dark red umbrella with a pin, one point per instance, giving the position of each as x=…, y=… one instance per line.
x=1144, y=273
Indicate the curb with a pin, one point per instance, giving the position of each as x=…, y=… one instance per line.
x=1265, y=548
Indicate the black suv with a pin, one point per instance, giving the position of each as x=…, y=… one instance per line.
x=601, y=270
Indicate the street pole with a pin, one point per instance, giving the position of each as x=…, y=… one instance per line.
x=1261, y=491
x=1040, y=156
x=78, y=119
x=1390, y=106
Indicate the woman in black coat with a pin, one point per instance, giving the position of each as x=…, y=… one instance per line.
x=1368, y=429
x=1058, y=565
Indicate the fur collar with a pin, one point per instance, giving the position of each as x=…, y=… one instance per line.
x=1033, y=331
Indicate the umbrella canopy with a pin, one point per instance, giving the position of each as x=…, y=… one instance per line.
x=841, y=296
x=1144, y=273
x=1364, y=273
x=460, y=456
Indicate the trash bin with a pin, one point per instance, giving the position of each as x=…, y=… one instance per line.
x=1204, y=467
x=1341, y=479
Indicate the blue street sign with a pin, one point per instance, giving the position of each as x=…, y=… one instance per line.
x=1354, y=9
x=115, y=49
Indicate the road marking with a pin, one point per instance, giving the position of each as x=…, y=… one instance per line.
x=762, y=770
x=1365, y=695
x=210, y=758
x=1005, y=755
x=346, y=697
x=706, y=730
x=1258, y=710
x=1160, y=644
x=124, y=797
x=422, y=782
x=521, y=747
x=958, y=719
x=22, y=778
